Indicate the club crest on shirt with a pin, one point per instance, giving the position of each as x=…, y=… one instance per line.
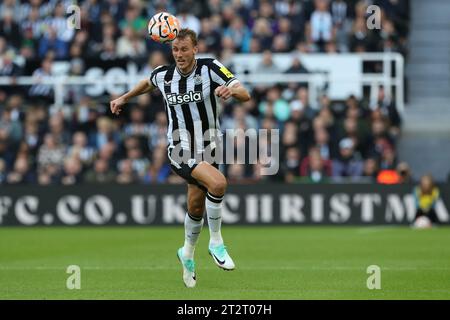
x=191, y=162
x=197, y=79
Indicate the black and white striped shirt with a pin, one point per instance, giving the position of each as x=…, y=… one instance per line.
x=191, y=105
x=40, y=89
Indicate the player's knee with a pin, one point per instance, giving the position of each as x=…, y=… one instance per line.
x=219, y=187
x=196, y=210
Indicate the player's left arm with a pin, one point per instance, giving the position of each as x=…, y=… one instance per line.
x=227, y=85
x=236, y=91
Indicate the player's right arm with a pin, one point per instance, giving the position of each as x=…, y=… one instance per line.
x=144, y=86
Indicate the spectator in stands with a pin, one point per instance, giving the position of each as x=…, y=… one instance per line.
x=105, y=133
x=100, y=173
x=324, y=145
x=9, y=29
x=266, y=11
x=340, y=13
x=267, y=64
x=84, y=115
x=108, y=50
x=22, y=173
x=362, y=39
x=404, y=171
x=290, y=167
x=109, y=32
x=7, y=149
x=92, y=9
x=389, y=37
x=388, y=110
x=302, y=95
x=32, y=136
x=72, y=171
x=314, y=168
x=285, y=31
x=321, y=25
x=296, y=67
x=159, y=169
x=239, y=34
x=59, y=23
x=255, y=45
x=3, y=174
x=116, y=8
x=331, y=47
x=52, y=152
x=263, y=32
x=158, y=131
x=80, y=149
x=133, y=21
x=209, y=38
x=40, y=91
x=239, y=119
x=109, y=152
x=50, y=41
x=56, y=127
x=156, y=59
x=11, y=127
x=380, y=140
x=28, y=48
x=348, y=164
x=75, y=92
x=237, y=173
x=303, y=122
x=188, y=20
x=290, y=135
x=137, y=125
x=350, y=130
x=130, y=45
x=127, y=175
x=215, y=7
x=139, y=163
x=8, y=68
x=370, y=169
x=31, y=25
x=388, y=159
x=275, y=104
x=3, y=45
x=10, y=6
x=280, y=44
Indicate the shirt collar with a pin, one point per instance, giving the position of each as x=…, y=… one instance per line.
x=187, y=74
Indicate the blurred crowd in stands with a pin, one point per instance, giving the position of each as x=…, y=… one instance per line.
x=346, y=140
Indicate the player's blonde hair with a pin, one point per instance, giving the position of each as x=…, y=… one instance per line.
x=188, y=33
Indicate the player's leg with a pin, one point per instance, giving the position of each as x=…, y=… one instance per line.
x=194, y=219
x=193, y=224
x=215, y=183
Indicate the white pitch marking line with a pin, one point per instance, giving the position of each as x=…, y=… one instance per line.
x=330, y=268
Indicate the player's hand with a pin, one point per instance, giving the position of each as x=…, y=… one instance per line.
x=117, y=105
x=223, y=92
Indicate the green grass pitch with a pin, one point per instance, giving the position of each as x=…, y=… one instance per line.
x=271, y=263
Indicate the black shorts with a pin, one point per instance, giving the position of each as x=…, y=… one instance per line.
x=184, y=168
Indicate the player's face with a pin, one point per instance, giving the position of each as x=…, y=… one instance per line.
x=183, y=51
